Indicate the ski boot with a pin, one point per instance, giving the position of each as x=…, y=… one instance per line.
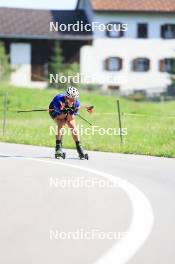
x=80, y=151
x=59, y=152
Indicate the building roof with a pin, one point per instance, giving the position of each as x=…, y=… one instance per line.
x=134, y=5
x=33, y=23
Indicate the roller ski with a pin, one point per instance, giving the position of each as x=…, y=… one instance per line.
x=59, y=152
x=80, y=151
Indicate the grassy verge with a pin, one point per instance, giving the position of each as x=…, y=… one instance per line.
x=151, y=131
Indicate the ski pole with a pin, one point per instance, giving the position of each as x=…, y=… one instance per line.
x=34, y=110
x=49, y=110
x=44, y=110
x=84, y=119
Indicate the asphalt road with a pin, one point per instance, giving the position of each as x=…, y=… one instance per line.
x=113, y=208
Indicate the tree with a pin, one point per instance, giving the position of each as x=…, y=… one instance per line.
x=4, y=63
x=56, y=63
x=72, y=73
x=57, y=67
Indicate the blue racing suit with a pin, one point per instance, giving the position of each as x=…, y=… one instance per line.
x=60, y=106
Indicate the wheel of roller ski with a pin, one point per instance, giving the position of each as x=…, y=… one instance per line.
x=86, y=156
x=61, y=155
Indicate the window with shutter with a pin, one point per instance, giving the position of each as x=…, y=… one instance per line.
x=141, y=64
x=114, y=30
x=113, y=64
x=167, y=65
x=142, y=30
x=168, y=31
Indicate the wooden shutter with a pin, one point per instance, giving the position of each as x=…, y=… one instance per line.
x=162, y=65
x=120, y=63
x=134, y=65
x=106, y=64
x=147, y=64
x=163, y=28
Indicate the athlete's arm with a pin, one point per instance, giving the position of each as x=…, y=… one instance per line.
x=57, y=105
x=87, y=107
x=77, y=107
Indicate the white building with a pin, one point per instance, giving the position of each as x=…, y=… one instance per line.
x=139, y=58
x=30, y=42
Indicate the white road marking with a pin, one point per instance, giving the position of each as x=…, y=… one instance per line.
x=141, y=224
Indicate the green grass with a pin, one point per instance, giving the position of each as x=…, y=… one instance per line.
x=151, y=133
